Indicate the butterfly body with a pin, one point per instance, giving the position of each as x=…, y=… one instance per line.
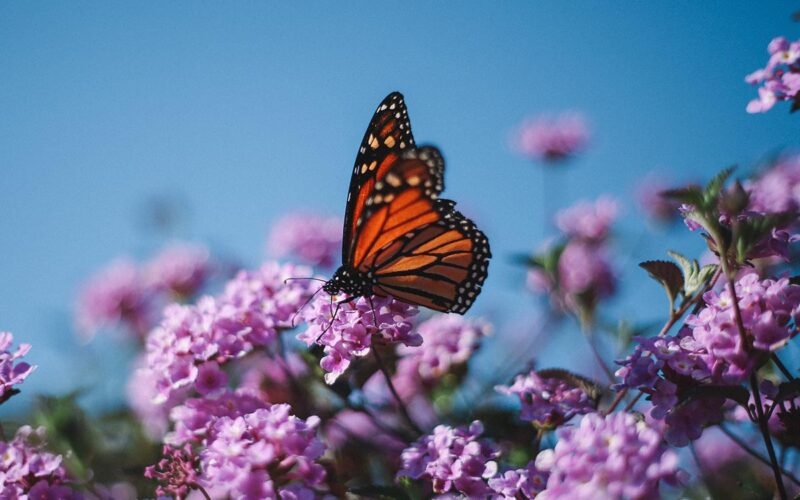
x=400, y=239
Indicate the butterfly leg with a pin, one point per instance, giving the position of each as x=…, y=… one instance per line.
x=335, y=312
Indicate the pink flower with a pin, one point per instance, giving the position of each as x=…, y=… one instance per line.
x=453, y=460
x=348, y=329
x=588, y=221
x=310, y=238
x=548, y=401
x=27, y=470
x=780, y=79
x=12, y=371
x=552, y=139
x=116, y=295
x=181, y=269
x=649, y=198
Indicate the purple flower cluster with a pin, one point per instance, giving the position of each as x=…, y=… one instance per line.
x=777, y=189
x=548, y=402
x=180, y=269
x=115, y=295
x=583, y=274
x=615, y=456
x=552, y=138
x=12, y=371
x=453, y=460
x=527, y=482
x=650, y=199
x=767, y=308
x=27, y=471
x=347, y=329
x=195, y=417
x=127, y=294
x=312, y=238
x=268, y=453
x=587, y=221
x=450, y=340
x=192, y=340
x=780, y=79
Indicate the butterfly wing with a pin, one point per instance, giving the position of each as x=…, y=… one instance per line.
x=418, y=248
x=388, y=135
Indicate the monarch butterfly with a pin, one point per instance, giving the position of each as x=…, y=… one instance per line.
x=399, y=238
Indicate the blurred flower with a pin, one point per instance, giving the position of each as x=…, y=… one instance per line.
x=780, y=79
x=195, y=417
x=12, y=371
x=551, y=139
x=583, y=269
x=356, y=428
x=251, y=311
x=311, y=238
x=548, y=402
x=176, y=471
x=614, y=456
x=141, y=391
x=777, y=189
x=651, y=201
x=268, y=453
x=115, y=295
x=181, y=269
x=449, y=341
x=588, y=221
x=527, y=482
x=453, y=459
x=347, y=329
x=26, y=470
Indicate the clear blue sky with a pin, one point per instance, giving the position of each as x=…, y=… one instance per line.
x=246, y=110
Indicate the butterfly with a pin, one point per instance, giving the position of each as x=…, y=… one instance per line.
x=400, y=239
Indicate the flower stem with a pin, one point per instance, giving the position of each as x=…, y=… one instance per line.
x=782, y=367
x=400, y=404
x=762, y=424
x=753, y=453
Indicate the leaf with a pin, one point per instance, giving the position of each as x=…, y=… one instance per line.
x=694, y=276
x=590, y=387
x=666, y=273
x=756, y=228
x=714, y=187
x=692, y=195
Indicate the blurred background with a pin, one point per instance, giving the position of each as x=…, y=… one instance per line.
x=123, y=126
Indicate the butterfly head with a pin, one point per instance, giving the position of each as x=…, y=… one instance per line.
x=349, y=281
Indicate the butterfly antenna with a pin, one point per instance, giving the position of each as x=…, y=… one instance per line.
x=333, y=318
x=294, y=316
x=301, y=278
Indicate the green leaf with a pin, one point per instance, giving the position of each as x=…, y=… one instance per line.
x=694, y=276
x=714, y=187
x=756, y=228
x=692, y=195
x=666, y=273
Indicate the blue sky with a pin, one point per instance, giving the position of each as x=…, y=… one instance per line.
x=246, y=110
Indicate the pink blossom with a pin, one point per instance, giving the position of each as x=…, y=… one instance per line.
x=311, y=238
x=552, y=138
x=181, y=269
x=588, y=221
x=12, y=371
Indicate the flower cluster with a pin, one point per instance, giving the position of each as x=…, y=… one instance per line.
x=192, y=340
x=527, y=482
x=548, y=401
x=195, y=417
x=452, y=459
x=780, y=79
x=12, y=371
x=176, y=472
x=27, y=471
x=348, y=329
x=450, y=340
x=124, y=293
x=551, y=139
x=576, y=273
x=767, y=307
x=268, y=453
x=313, y=238
x=614, y=456
x=651, y=200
